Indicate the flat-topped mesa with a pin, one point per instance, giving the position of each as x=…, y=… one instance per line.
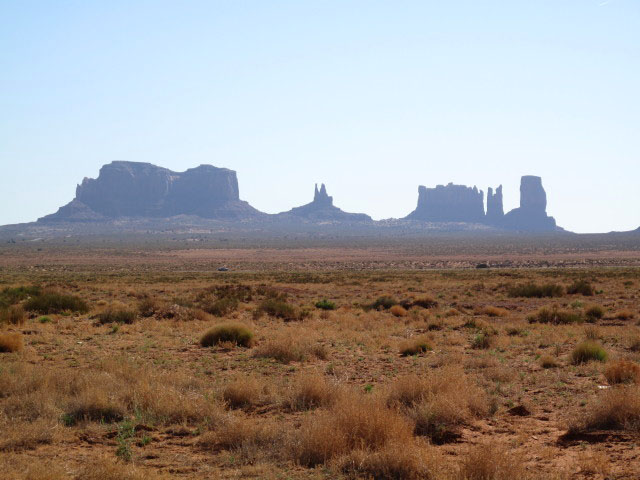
x=450, y=203
x=322, y=209
x=531, y=216
x=134, y=189
x=495, y=209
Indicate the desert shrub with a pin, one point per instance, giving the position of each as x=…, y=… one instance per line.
x=11, y=296
x=354, y=422
x=491, y=462
x=93, y=404
x=532, y=290
x=415, y=346
x=591, y=332
x=14, y=315
x=617, y=408
x=594, y=312
x=10, y=342
x=325, y=305
x=249, y=439
x=588, y=351
x=622, y=371
x=482, y=341
x=148, y=307
x=491, y=311
x=398, y=311
x=48, y=302
x=581, y=287
x=625, y=315
x=235, y=333
x=439, y=403
x=383, y=303
x=279, y=308
x=311, y=391
x=547, y=361
x=287, y=349
x=555, y=316
x=117, y=315
x=424, y=302
x=243, y=392
x=394, y=461
x=221, y=307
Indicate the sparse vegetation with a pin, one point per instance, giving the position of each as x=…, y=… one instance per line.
x=532, y=290
x=588, y=351
x=234, y=333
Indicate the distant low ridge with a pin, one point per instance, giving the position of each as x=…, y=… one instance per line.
x=134, y=191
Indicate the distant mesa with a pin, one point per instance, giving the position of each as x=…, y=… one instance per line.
x=451, y=203
x=459, y=203
x=134, y=189
x=322, y=209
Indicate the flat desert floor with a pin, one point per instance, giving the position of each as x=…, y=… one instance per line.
x=324, y=362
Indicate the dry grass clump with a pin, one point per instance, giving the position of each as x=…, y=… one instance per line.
x=27, y=436
x=278, y=307
x=244, y=392
x=622, y=371
x=311, y=391
x=547, y=361
x=117, y=315
x=13, y=315
x=234, y=333
x=354, y=422
x=398, y=311
x=582, y=287
x=532, y=290
x=287, y=349
x=555, y=316
x=439, y=403
x=106, y=469
x=10, y=342
x=593, y=313
x=588, y=351
x=617, y=408
x=492, y=311
x=416, y=346
x=394, y=461
x=113, y=390
x=49, y=301
x=625, y=315
x=491, y=462
x=425, y=302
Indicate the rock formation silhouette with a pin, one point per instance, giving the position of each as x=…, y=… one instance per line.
x=495, y=209
x=451, y=203
x=133, y=189
x=322, y=209
x=531, y=216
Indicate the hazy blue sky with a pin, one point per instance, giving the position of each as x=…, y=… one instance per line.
x=371, y=97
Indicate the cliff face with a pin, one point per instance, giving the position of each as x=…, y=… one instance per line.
x=531, y=216
x=451, y=203
x=132, y=189
x=322, y=209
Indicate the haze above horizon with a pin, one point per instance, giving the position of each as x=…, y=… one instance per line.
x=371, y=98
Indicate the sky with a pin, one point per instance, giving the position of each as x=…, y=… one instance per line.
x=371, y=97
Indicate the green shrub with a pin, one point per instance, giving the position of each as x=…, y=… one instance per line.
x=53, y=302
x=581, y=287
x=44, y=319
x=117, y=315
x=532, y=290
x=482, y=341
x=594, y=312
x=325, y=305
x=228, y=332
x=555, y=316
x=587, y=351
x=11, y=296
